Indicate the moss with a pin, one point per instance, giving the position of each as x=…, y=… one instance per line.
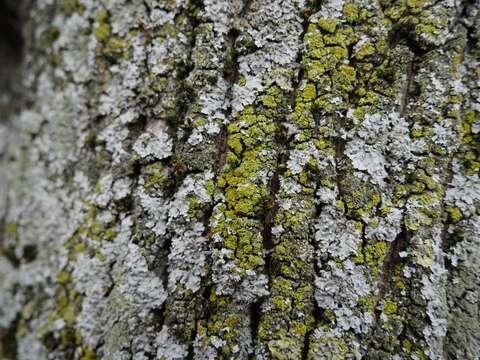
x=360, y=112
x=417, y=133
x=273, y=98
x=110, y=234
x=315, y=69
x=68, y=304
x=399, y=283
x=157, y=180
x=299, y=329
x=427, y=180
x=100, y=256
x=115, y=48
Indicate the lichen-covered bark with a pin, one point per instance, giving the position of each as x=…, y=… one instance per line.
x=240, y=179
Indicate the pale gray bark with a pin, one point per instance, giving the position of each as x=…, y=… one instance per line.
x=240, y=179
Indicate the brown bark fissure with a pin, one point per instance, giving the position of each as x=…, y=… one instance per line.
x=402, y=240
x=184, y=99
x=11, y=58
x=255, y=317
x=311, y=7
x=385, y=282
x=283, y=145
x=406, y=89
x=11, y=50
x=268, y=216
x=231, y=76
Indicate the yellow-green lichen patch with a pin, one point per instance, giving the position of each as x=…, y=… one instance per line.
x=328, y=25
x=157, y=177
x=67, y=308
x=389, y=308
x=310, y=92
x=366, y=49
x=374, y=256
x=428, y=24
x=284, y=348
x=102, y=31
x=73, y=6
x=351, y=12
x=10, y=230
x=63, y=277
x=237, y=229
x=356, y=70
x=334, y=348
x=113, y=47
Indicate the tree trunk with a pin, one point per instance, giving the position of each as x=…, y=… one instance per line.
x=240, y=179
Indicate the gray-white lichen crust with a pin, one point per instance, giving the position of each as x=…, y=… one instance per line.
x=240, y=179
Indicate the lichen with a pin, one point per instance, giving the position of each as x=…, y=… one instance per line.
x=218, y=181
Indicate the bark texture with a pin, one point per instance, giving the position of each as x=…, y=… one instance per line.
x=240, y=179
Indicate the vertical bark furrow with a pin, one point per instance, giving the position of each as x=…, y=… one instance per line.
x=462, y=206
x=373, y=215
x=241, y=220
x=206, y=113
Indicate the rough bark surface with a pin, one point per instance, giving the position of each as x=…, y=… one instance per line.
x=240, y=179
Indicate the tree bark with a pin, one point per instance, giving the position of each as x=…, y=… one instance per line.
x=240, y=179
